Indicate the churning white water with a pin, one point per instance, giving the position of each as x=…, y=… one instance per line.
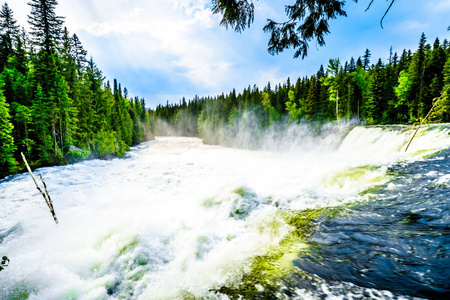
x=178, y=219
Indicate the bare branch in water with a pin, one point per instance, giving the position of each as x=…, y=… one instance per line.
x=46, y=196
x=435, y=103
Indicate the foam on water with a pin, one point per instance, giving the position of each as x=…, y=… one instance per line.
x=176, y=218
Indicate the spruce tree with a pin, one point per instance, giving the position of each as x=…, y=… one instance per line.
x=46, y=26
x=360, y=87
x=416, y=72
x=395, y=60
x=442, y=111
x=366, y=59
x=7, y=146
x=388, y=94
x=65, y=121
x=23, y=122
x=9, y=31
x=79, y=54
x=41, y=130
x=404, y=61
x=8, y=25
x=332, y=81
x=433, y=71
x=352, y=65
x=68, y=64
x=312, y=99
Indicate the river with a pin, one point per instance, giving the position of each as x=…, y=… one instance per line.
x=344, y=215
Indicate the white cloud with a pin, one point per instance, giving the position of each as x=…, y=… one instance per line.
x=151, y=31
x=167, y=17
x=180, y=39
x=274, y=76
x=411, y=26
x=439, y=6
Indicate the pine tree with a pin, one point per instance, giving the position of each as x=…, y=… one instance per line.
x=352, y=65
x=395, y=60
x=388, y=95
x=370, y=109
x=23, y=123
x=433, y=71
x=332, y=81
x=7, y=146
x=442, y=111
x=79, y=54
x=68, y=65
x=360, y=87
x=8, y=26
x=65, y=121
x=359, y=62
x=45, y=25
x=366, y=59
x=8, y=30
x=312, y=99
x=416, y=72
x=41, y=127
x=21, y=56
x=404, y=61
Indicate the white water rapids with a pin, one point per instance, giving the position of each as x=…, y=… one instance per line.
x=177, y=219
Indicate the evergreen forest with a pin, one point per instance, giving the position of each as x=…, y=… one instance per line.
x=401, y=90
x=56, y=106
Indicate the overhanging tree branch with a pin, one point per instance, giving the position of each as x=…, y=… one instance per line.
x=237, y=14
x=306, y=20
x=387, y=10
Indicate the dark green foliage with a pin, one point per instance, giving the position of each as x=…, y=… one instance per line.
x=45, y=24
x=8, y=31
x=442, y=111
x=7, y=146
x=418, y=105
x=366, y=59
x=306, y=20
x=8, y=24
x=237, y=14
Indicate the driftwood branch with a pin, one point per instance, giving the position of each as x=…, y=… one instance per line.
x=46, y=196
x=435, y=103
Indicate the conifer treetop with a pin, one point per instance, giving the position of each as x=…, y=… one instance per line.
x=45, y=25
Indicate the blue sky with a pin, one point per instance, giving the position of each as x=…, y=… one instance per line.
x=163, y=50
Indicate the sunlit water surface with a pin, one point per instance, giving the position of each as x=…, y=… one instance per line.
x=337, y=216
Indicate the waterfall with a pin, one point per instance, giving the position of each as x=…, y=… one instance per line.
x=177, y=219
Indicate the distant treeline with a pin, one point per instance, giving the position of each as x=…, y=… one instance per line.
x=56, y=107
x=400, y=91
x=54, y=104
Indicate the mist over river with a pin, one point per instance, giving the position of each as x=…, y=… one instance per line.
x=346, y=214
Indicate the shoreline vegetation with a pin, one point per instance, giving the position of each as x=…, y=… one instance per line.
x=57, y=108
